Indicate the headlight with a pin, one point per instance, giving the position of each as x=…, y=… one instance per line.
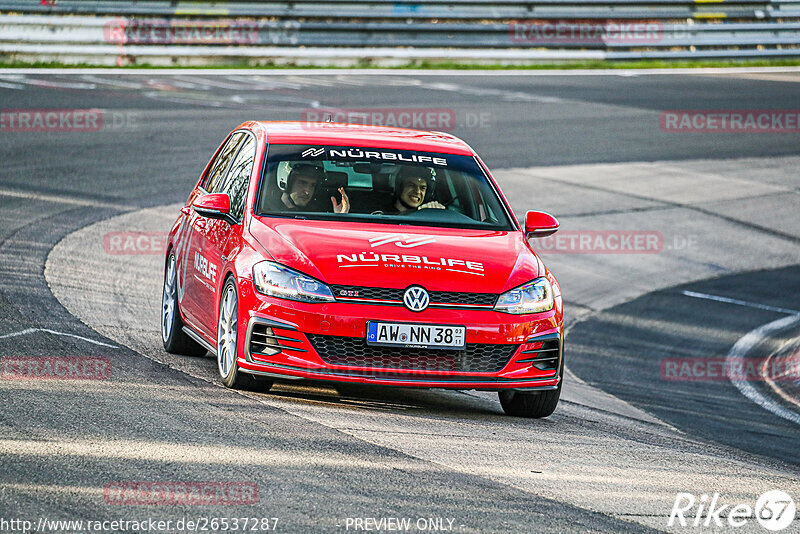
x=275, y=280
x=534, y=297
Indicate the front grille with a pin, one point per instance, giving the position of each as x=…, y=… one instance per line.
x=376, y=293
x=437, y=297
x=474, y=299
x=354, y=351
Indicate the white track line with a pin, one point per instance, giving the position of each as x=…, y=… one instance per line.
x=62, y=199
x=56, y=333
x=402, y=72
x=740, y=350
x=740, y=302
x=58, y=84
x=16, y=86
x=773, y=385
x=750, y=340
x=111, y=82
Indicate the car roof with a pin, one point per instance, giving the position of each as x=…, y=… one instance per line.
x=360, y=135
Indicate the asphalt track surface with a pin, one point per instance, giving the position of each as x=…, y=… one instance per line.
x=622, y=443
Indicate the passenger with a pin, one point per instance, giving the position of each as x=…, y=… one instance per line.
x=301, y=185
x=413, y=187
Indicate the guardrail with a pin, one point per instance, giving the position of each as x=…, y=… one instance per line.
x=408, y=9
x=348, y=31
x=431, y=10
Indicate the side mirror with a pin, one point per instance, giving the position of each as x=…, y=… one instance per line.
x=539, y=224
x=214, y=206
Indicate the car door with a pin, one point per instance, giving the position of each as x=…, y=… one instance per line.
x=220, y=239
x=196, y=274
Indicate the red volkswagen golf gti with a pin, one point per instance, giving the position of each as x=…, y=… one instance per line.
x=359, y=254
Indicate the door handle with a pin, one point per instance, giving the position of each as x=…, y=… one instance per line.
x=186, y=210
x=200, y=224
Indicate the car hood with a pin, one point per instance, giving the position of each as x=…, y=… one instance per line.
x=378, y=255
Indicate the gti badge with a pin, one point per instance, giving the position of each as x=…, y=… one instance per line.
x=416, y=298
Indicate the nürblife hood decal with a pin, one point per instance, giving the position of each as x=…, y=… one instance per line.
x=461, y=260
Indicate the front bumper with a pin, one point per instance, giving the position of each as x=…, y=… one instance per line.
x=293, y=340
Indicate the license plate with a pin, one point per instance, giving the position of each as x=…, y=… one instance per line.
x=416, y=335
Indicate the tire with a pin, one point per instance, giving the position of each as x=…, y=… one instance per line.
x=175, y=339
x=533, y=405
x=228, y=343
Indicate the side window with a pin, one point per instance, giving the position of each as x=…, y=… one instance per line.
x=212, y=183
x=239, y=176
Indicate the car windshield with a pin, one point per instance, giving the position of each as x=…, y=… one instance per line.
x=380, y=185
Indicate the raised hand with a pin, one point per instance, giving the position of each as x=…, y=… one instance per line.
x=344, y=207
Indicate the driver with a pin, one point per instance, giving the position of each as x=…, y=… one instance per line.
x=413, y=186
x=301, y=184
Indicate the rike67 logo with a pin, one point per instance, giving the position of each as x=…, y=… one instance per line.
x=774, y=510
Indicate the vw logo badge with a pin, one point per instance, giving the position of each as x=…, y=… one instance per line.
x=416, y=298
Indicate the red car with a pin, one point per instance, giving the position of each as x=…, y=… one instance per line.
x=360, y=254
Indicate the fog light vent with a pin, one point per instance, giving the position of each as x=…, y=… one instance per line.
x=547, y=356
x=262, y=341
